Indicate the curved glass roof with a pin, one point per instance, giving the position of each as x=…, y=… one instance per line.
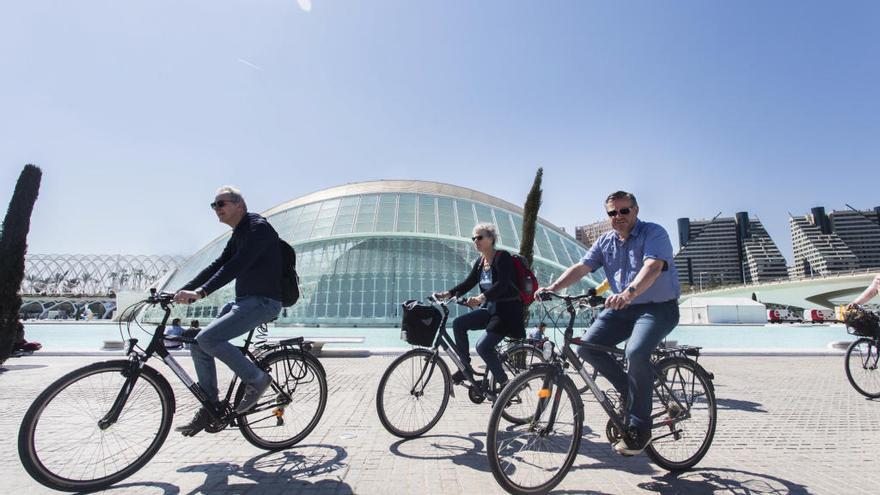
x=413, y=208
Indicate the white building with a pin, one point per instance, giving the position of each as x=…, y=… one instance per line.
x=715, y=310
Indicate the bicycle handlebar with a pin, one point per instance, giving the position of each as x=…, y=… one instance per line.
x=592, y=299
x=445, y=302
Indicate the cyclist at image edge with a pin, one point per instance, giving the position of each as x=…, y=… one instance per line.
x=499, y=309
x=637, y=258
x=870, y=292
x=252, y=257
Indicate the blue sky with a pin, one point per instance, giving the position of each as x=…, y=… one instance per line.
x=137, y=111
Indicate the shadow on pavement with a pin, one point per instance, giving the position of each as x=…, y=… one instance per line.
x=166, y=488
x=462, y=451
x=710, y=481
x=740, y=405
x=19, y=367
x=283, y=471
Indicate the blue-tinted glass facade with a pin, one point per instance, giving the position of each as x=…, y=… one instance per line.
x=360, y=255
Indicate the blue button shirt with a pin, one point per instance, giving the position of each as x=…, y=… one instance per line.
x=623, y=260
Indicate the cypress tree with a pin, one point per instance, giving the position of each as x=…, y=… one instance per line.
x=530, y=220
x=13, y=244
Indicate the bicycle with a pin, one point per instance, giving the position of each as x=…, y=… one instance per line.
x=410, y=403
x=533, y=457
x=862, y=362
x=99, y=424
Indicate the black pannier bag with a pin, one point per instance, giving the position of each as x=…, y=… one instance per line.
x=862, y=323
x=420, y=323
x=289, y=278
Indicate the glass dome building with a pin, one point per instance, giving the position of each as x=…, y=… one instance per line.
x=364, y=248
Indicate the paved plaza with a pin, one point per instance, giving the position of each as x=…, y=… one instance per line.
x=786, y=425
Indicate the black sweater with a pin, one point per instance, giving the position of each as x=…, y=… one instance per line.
x=252, y=257
x=503, y=293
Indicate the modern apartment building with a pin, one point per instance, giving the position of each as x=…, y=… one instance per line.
x=727, y=250
x=587, y=234
x=837, y=242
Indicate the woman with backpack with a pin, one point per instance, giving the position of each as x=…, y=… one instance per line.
x=498, y=308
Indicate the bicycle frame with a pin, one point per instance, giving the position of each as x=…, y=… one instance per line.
x=222, y=411
x=446, y=343
x=568, y=357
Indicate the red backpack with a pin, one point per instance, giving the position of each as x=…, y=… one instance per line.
x=525, y=281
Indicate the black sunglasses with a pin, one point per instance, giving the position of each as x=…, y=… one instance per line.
x=622, y=211
x=219, y=204
x=477, y=238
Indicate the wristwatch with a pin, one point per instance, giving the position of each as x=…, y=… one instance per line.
x=201, y=292
x=631, y=290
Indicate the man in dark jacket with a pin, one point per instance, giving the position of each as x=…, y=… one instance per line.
x=252, y=257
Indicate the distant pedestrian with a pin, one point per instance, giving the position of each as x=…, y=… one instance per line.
x=175, y=330
x=193, y=330
x=536, y=335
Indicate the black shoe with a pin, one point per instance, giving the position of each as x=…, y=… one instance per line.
x=493, y=394
x=634, y=441
x=199, y=422
x=252, y=394
x=459, y=377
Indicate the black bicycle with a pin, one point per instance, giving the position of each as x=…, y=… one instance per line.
x=415, y=389
x=534, y=456
x=101, y=423
x=863, y=355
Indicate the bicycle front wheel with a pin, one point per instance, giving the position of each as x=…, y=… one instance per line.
x=413, y=393
x=290, y=409
x=61, y=443
x=684, y=426
x=535, y=456
x=862, y=359
x=516, y=361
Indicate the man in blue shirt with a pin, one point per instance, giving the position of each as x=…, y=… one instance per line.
x=175, y=330
x=252, y=258
x=637, y=258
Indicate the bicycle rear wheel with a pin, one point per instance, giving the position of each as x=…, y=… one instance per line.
x=282, y=418
x=516, y=361
x=534, y=457
x=862, y=371
x=61, y=444
x=411, y=397
x=679, y=444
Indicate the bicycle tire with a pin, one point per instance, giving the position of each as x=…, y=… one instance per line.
x=405, y=371
x=680, y=446
x=862, y=362
x=78, y=400
x=303, y=379
x=513, y=468
x=516, y=361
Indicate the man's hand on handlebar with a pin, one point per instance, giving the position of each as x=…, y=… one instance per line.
x=618, y=301
x=186, y=296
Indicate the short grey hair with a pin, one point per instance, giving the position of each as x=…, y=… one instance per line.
x=233, y=193
x=622, y=195
x=489, y=229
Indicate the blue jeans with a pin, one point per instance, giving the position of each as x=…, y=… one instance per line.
x=236, y=318
x=478, y=319
x=645, y=325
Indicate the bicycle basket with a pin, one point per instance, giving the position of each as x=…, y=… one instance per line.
x=862, y=323
x=420, y=323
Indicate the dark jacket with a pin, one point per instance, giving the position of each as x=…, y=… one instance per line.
x=252, y=257
x=503, y=301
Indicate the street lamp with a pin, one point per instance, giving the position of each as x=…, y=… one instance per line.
x=701, y=280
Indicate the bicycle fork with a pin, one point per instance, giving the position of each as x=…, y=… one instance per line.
x=132, y=373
